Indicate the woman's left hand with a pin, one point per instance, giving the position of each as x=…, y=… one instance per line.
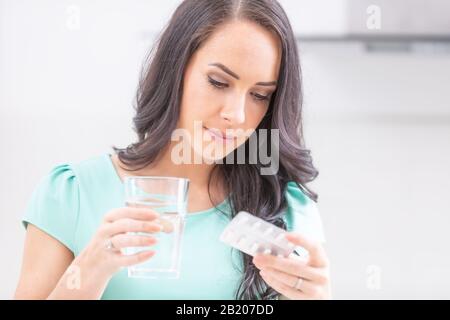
x=283, y=274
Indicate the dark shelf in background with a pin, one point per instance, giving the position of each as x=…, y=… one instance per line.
x=376, y=38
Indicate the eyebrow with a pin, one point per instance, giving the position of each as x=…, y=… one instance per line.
x=234, y=75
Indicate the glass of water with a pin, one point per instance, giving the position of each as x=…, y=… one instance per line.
x=167, y=196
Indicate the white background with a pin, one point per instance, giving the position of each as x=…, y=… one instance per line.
x=378, y=125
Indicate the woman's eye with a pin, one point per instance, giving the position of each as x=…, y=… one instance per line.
x=261, y=97
x=220, y=85
x=217, y=84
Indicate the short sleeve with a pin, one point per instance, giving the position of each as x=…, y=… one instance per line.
x=54, y=205
x=302, y=214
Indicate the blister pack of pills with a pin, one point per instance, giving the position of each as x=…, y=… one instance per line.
x=254, y=235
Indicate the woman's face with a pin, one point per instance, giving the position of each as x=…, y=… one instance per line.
x=227, y=87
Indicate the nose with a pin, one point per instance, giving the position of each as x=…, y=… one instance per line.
x=234, y=110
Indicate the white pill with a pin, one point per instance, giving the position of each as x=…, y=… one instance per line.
x=229, y=236
x=243, y=220
x=254, y=247
x=279, y=237
x=242, y=240
x=256, y=225
x=267, y=251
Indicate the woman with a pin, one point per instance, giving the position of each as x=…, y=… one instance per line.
x=232, y=66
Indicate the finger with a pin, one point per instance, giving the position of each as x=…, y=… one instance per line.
x=292, y=266
x=131, y=213
x=124, y=240
x=316, y=252
x=284, y=289
x=308, y=287
x=129, y=260
x=168, y=226
x=130, y=225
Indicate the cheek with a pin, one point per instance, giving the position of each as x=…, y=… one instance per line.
x=255, y=112
x=200, y=102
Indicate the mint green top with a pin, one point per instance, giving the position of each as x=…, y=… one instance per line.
x=69, y=202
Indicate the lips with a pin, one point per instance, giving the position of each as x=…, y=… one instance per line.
x=219, y=134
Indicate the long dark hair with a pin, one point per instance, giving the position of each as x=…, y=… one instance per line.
x=158, y=107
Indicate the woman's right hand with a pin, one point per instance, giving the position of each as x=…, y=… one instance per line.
x=103, y=256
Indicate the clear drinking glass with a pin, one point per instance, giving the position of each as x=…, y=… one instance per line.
x=168, y=196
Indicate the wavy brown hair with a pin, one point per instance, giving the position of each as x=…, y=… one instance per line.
x=158, y=107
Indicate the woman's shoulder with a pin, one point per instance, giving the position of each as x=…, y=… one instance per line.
x=75, y=172
x=302, y=214
x=98, y=164
x=86, y=172
x=55, y=202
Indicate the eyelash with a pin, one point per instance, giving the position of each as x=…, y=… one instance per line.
x=220, y=86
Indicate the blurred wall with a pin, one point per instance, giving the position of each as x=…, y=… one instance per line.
x=378, y=125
